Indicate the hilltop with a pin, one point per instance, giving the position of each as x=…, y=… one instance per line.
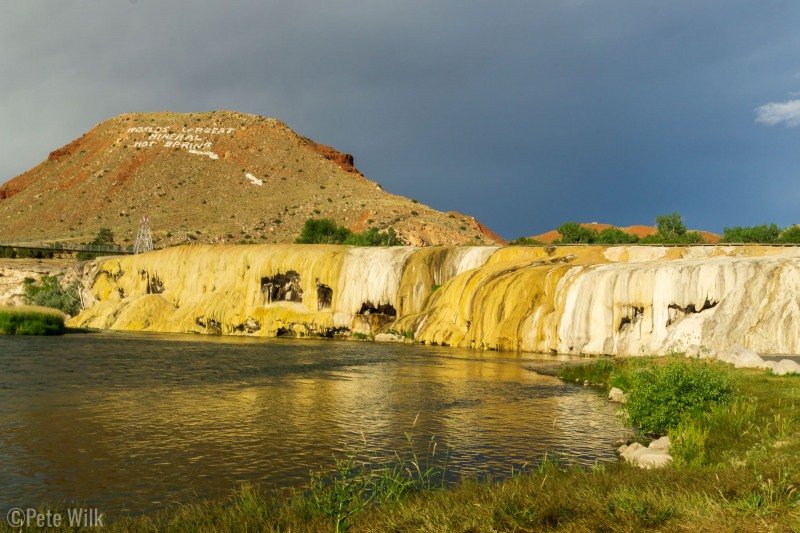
x=217, y=177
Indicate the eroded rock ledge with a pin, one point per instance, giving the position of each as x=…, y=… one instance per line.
x=626, y=300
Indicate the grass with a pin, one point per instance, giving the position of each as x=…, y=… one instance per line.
x=736, y=469
x=31, y=320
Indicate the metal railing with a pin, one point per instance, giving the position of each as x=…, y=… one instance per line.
x=112, y=249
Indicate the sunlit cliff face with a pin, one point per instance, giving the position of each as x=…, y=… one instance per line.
x=582, y=300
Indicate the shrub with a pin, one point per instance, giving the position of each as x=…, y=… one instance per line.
x=372, y=237
x=86, y=256
x=615, y=236
x=50, y=293
x=525, y=241
x=690, y=237
x=660, y=396
x=790, y=235
x=325, y=231
x=758, y=234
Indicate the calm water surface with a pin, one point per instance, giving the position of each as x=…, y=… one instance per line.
x=135, y=422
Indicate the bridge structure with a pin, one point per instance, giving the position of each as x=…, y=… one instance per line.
x=58, y=247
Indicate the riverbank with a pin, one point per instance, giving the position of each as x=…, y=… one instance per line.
x=739, y=474
x=31, y=320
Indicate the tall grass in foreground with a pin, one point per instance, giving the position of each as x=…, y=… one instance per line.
x=359, y=482
x=31, y=320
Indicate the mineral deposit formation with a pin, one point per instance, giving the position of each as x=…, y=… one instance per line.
x=575, y=300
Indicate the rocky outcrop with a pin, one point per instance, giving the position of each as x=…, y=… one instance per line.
x=343, y=161
x=15, y=272
x=7, y=192
x=272, y=290
x=624, y=300
x=587, y=300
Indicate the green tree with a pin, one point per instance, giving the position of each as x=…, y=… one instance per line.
x=760, y=234
x=574, y=233
x=790, y=235
x=104, y=236
x=322, y=231
x=615, y=236
x=670, y=227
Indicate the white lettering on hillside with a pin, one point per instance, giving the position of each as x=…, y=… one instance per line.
x=196, y=140
x=254, y=180
x=212, y=155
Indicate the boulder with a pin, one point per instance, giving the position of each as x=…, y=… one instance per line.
x=654, y=456
x=786, y=366
x=730, y=354
x=741, y=357
x=630, y=451
x=660, y=444
x=749, y=359
x=653, y=460
x=616, y=395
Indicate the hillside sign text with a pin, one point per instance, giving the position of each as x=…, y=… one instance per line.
x=187, y=138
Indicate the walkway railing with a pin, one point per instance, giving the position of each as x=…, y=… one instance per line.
x=111, y=249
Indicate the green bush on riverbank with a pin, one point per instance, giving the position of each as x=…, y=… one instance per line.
x=49, y=292
x=30, y=320
x=735, y=469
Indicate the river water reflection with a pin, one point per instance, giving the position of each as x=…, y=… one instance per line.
x=134, y=422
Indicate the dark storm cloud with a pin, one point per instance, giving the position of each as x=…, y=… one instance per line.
x=523, y=113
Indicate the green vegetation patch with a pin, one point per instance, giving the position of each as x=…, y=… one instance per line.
x=670, y=229
x=325, y=231
x=661, y=396
x=525, y=241
x=30, y=320
x=763, y=234
x=49, y=292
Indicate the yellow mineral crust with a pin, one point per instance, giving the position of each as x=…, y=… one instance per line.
x=622, y=300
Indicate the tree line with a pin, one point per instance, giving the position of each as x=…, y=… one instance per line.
x=670, y=229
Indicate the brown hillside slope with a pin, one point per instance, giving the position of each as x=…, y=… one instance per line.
x=209, y=177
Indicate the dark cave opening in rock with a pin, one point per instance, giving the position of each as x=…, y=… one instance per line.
x=282, y=287
x=324, y=296
x=368, y=308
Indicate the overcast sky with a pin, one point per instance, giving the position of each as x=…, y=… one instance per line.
x=525, y=114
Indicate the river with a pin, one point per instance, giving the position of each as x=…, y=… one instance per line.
x=131, y=423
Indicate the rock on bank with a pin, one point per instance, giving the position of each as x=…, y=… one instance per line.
x=580, y=300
